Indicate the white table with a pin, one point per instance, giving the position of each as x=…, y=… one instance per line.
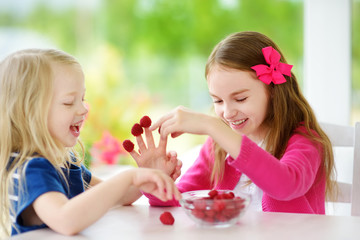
x=142, y=222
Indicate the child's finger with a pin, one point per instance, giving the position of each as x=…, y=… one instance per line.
x=136, y=157
x=163, y=143
x=160, y=121
x=169, y=127
x=140, y=142
x=171, y=155
x=177, y=171
x=179, y=164
x=157, y=124
x=149, y=138
x=160, y=186
x=169, y=189
x=177, y=194
x=176, y=134
x=137, y=131
x=176, y=174
x=129, y=147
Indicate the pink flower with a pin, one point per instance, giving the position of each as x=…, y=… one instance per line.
x=107, y=149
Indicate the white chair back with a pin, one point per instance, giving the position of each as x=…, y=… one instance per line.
x=347, y=136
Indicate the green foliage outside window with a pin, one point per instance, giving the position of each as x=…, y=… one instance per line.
x=144, y=57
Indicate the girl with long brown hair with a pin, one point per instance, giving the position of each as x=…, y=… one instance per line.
x=265, y=139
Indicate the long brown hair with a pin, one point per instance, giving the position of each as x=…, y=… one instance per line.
x=287, y=108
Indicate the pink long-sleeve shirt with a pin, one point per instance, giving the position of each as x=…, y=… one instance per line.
x=295, y=183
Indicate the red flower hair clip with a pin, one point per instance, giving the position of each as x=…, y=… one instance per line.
x=276, y=71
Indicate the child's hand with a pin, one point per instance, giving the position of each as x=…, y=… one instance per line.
x=151, y=156
x=182, y=120
x=156, y=182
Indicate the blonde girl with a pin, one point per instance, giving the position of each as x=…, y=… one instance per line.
x=43, y=181
x=265, y=139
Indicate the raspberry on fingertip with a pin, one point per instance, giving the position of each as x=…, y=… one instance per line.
x=137, y=130
x=128, y=145
x=145, y=122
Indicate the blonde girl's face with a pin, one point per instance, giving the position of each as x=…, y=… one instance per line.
x=67, y=109
x=240, y=99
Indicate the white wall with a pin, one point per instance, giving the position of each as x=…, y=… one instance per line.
x=327, y=59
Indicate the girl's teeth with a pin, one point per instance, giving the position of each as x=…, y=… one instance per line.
x=239, y=122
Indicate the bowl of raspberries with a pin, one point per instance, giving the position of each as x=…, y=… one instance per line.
x=214, y=208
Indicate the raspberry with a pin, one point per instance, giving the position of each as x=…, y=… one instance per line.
x=145, y=122
x=167, y=218
x=228, y=195
x=224, y=196
x=231, y=194
x=213, y=193
x=136, y=130
x=128, y=145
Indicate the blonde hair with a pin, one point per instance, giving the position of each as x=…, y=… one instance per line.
x=287, y=108
x=26, y=83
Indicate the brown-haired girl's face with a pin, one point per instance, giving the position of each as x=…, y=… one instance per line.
x=240, y=99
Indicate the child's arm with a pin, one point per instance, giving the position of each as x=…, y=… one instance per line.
x=72, y=216
x=182, y=120
x=132, y=195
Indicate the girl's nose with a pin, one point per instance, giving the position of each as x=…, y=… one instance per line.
x=84, y=109
x=229, y=112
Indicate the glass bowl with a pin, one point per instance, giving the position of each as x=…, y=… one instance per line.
x=214, y=208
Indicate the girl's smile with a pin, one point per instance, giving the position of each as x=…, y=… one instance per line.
x=238, y=124
x=75, y=128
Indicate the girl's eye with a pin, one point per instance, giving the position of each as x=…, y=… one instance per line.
x=241, y=99
x=217, y=101
x=68, y=104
